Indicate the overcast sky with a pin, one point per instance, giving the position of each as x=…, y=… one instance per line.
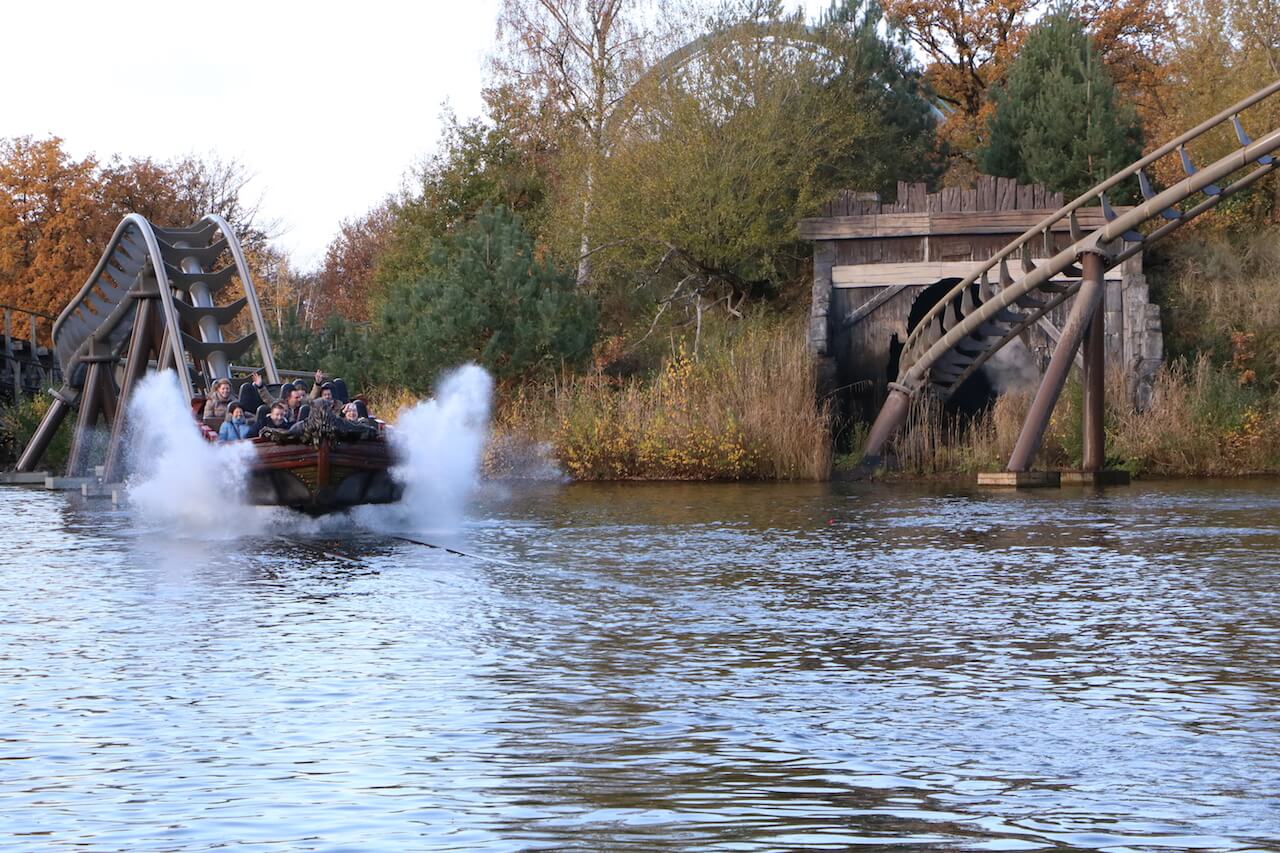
x=328, y=105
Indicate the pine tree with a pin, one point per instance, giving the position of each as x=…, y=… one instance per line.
x=1057, y=118
x=488, y=298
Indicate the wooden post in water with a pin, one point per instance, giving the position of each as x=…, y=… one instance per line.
x=1095, y=451
x=1086, y=302
x=135, y=366
x=87, y=417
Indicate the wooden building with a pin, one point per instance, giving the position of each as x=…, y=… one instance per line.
x=873, y=259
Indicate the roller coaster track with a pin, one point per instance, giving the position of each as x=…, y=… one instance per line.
x=113, y=321
x=1008, y=293
x=143, y=261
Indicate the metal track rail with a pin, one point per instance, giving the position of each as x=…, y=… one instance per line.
x=155, y=291
x=979, y=316
x=145, y=262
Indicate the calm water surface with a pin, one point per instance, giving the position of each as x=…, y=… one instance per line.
x=666, y=667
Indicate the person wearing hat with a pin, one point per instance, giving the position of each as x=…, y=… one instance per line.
x=235, y=427
x=219, y=399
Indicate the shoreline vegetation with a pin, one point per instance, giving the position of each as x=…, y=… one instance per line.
x=749, y=411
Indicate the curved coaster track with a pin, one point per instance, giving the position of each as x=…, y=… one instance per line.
x=153, y=299
x=1005, y=295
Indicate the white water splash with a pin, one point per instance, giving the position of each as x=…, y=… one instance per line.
x=440, y=444
x=177, y=478
x=181, y=482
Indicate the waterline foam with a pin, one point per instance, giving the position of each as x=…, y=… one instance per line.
x=177, y=478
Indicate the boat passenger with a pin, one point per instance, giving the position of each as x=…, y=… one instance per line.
x=235, y=427
x=290, y=394
x=216, y=405
x=350, y=412
x=276, y=418
x=320, y=386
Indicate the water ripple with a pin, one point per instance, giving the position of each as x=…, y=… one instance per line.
x=714, y=667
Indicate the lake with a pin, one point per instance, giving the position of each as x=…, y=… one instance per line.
x=652, y=667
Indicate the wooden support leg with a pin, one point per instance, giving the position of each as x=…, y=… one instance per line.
x=144, y=334
x=39, y=443
x=1087, y=301
x=1095, y=451
x=892, y=415
x=90, y=404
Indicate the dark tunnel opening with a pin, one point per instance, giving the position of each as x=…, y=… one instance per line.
x=978, y=392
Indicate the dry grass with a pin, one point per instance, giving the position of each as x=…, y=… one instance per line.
x=1221, y=296
x=935, y=443
x=743, y=410
x=387, y=403
x=1202, y=421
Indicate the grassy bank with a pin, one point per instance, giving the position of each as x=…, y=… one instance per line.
x=1202, y=421
x=743, y=409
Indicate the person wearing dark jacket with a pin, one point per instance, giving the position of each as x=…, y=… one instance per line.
x=276, y=418
x=290, y=394
x=320, y=386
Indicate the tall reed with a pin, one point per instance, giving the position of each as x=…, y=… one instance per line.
x=1202, y=420
x=744, y=409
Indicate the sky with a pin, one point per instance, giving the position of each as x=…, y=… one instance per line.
x=328, y=105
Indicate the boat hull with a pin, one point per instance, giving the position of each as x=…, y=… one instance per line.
x=323, y=478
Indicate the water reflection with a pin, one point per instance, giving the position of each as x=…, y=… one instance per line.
x=738, y=667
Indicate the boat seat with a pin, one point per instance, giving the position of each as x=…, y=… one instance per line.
x=340, y=390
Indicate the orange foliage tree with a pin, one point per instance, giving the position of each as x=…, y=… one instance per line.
x=967, y=46
x=343, y=284
x=51, y=223
x=57, y=212
x=1221, y=52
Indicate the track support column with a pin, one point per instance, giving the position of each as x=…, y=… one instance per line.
x=90, y=406
x=135, y=367
x=1095, y=450
x=1087, y=302
x=892, y=415
x=44, y=433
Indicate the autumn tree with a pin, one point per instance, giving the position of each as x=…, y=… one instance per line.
x=505, y=159
x=1058, y=119
x=1221, y=52
x=967, y=46
x=52, y=223
x=57, y=213
x=343, y=285
x=705, y=185
x=582, y=56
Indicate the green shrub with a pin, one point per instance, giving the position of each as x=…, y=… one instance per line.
x=18, y=423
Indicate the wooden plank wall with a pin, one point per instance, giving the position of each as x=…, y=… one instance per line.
x=988, y=194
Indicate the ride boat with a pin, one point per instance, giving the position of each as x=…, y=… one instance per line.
x=161, y=299
x=320, y=465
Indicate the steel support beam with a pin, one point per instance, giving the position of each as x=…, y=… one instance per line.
x=135, y=367
x=87, y=417
x=892, y=415
x=1087, y=303
x=39, y=443
x=1095, y=451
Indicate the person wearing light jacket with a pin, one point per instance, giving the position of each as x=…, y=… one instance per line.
x=235, y=427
